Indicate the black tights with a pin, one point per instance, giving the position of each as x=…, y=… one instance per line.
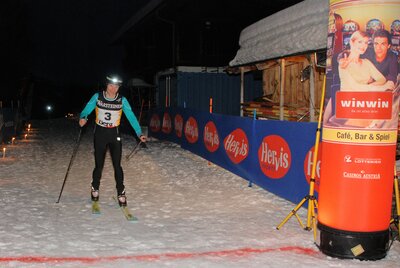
x=108, y=138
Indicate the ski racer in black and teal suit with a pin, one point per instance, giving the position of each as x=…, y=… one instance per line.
x=109, y=105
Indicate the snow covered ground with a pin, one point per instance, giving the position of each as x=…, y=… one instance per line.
x=191, y=213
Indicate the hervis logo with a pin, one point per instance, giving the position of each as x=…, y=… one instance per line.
x=166, y=124
x=274, y=156
x=155, y=123
x=236, y=146
x=211, y=138
x=178, y=122
x=191, y=130
x=308, y=166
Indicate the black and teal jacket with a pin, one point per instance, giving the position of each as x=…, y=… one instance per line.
x=109, y=111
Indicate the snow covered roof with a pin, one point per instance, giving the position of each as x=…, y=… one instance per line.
x=299, y=28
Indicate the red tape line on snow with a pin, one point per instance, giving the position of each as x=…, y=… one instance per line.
x=158, y=257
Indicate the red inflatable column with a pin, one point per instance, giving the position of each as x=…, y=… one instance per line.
x=359, y=129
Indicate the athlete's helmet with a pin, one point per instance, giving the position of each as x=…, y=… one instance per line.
x=114, y=79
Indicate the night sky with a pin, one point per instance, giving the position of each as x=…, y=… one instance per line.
x=67, y=41
x=64, y=45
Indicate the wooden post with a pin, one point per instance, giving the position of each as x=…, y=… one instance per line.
x=241, y=89
x=167, y=91
x=282, y=94
x=141, y=110
x=208, y=162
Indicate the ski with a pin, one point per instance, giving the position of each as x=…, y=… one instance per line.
x=127, y=213
x=95, y=207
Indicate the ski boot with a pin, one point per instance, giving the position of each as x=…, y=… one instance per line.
x=122, y=199
x=94, y=194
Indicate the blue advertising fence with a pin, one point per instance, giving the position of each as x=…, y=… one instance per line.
x=272, y=154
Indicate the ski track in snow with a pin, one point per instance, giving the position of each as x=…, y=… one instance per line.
x=191, y=213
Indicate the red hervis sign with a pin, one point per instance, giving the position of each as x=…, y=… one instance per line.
x=308, y=166
x=274, y=156
x=236, y=146
x=155, y=123
x=191, y=130
x=178, y=123
x=211, y=138
x=166, y=124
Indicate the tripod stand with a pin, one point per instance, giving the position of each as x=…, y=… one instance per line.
x=312, y=202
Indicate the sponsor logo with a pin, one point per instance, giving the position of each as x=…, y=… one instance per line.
x=155, y=123
x=361, y=175
x=367, y=160
x=113, y=106
x=211, y=138
x=178, y=122
x=274, y=156
x=191, y=130
x=364, y=105
x=105, y=124
x=361, y=160
x=308, y=166
x=236, y=146
x=166, y=124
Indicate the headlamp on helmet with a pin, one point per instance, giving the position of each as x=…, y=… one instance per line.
x=115, y=80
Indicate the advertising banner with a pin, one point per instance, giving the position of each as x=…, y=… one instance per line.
x=275, y=155
x=360, y=128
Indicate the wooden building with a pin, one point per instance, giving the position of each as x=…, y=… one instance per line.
x=289, y=47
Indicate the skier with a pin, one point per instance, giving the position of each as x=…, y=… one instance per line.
x=109, y=105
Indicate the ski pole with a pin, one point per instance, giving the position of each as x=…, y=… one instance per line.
x=70, y=163
x=133, y=150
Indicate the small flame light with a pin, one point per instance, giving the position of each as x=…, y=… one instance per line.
x=12, y=140
x=29, y=126
x=4, y=152
x=26, y=135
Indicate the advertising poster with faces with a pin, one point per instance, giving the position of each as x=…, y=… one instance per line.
x=360, y=122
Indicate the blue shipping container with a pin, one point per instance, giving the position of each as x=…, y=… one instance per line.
x=192, y=87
